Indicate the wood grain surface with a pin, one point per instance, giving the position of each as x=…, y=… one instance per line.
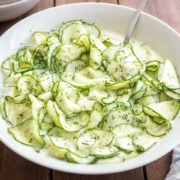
x=14, y=167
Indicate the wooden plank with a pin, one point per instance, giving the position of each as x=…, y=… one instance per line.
x=136, y=174
x=13, y=166
x=17, y=168
x=60, y=2
x=168, y=11
x=159, y=169
x=130, y=175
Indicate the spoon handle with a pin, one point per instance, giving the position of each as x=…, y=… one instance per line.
x=134, y=20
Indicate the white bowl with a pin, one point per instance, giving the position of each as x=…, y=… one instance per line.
x=110, y=17
x=15, y=9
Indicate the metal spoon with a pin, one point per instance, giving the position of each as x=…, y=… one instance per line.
x=134, y=20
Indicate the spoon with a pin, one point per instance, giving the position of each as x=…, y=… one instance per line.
x=134, y=20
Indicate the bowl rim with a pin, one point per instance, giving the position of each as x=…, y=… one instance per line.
x=78, y=168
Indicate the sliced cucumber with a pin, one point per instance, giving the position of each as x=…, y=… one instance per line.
x=117, y=117
x=123, y=136
x=172, y=94
x=72, y=157
x=158, y=128
x=95, y=138
x=37, y=106
x=95, y=57
x=27, y=133
x=144, y=141
x=11, y=80
x=167, y=109
x=69, y=124
x=63, y=139
x=105, y=152
x=146, y=100
x=69, y=52
x=40, y=37
x=16, y=113
x=96, y=42
x=139, y=91
x=167, y=75
x=85, y=97
x=73, y=29
x=119, y=85
x=152, y=65
x=83, y=40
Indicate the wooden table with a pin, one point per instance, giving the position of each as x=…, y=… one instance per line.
x=14, y=167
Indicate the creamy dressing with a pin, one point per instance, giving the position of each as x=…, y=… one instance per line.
x=142, y=50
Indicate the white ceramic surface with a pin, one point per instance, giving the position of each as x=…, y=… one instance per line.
x=150, y=30
x=13, y=10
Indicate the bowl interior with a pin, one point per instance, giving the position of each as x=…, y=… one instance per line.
x=109, y=17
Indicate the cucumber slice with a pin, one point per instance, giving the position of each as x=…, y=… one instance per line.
x=11, y=80
x=26, y=84
x=45, y=96
x=146, y=100
x=63, y=139
x=2, y=108
x=25, y=58
x=73, y=29
x=79, y=76
x=144, y=141
x=45, y=127
x=139, y=91
x=71, y=69
x=172, y=94
x=119, y=85
x=68, y=106
x=57, y=151
x=95, y=138
x=69, y=52
x=167, y=109
x=37, y=106
x=123, y=136
x=102, y=95
x=55, y=113
x=83, y=40
x=16, y=113
x=91, y=29
x=125, y=144
x=70, y=124
x=85, y=104
x=158, y=128
x=123, y=70
x=167, y=75
x=40, y=37
x=126, y=129
x=105, y=152
x=117, y=117
x=95, y=57
x=96, y=42
x=72, y=157
x=95, y=118
x=152, y=65
x=27, y=133
x=7, y=65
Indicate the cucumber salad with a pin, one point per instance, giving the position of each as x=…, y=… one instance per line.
x=80, y=95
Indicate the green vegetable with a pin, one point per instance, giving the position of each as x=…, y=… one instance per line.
x=84, y=97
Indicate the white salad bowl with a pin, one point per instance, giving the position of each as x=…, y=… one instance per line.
x=15, y=8
x=150, y=30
